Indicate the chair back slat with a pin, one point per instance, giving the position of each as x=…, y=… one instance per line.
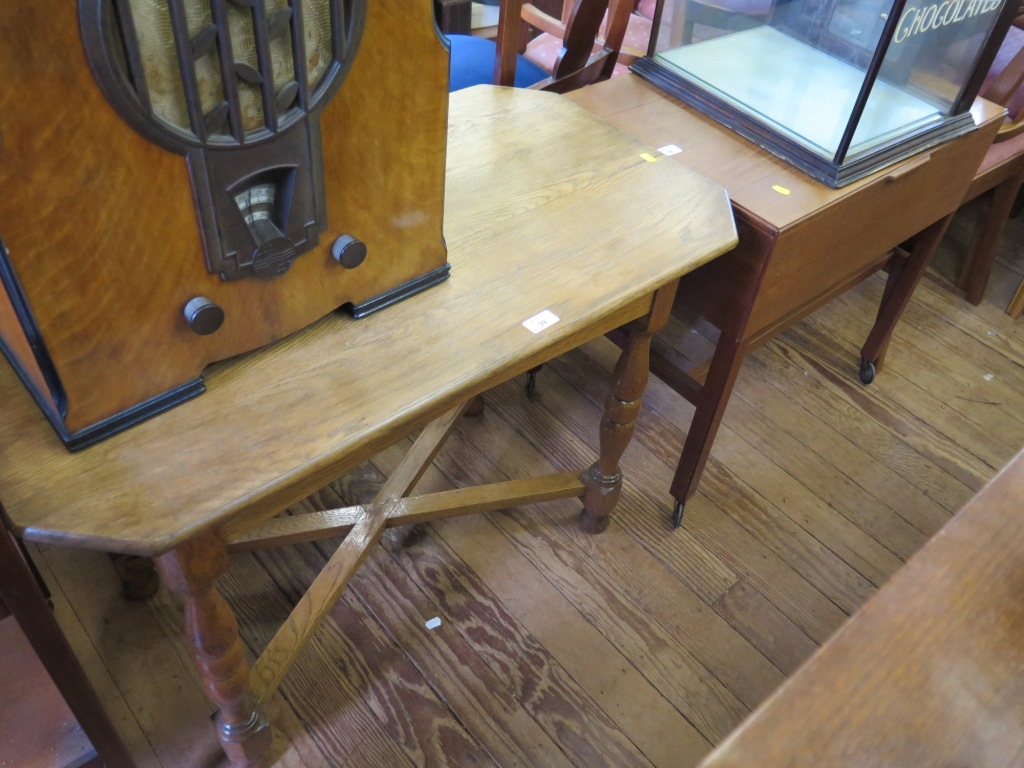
x=580, y=34
x=584, y=58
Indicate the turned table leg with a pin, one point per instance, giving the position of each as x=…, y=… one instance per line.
x=603, y=481
x=211, y=634
x=138, y=576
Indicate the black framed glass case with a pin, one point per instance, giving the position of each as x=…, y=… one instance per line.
x=840, y=88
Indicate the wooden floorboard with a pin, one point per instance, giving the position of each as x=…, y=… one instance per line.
x=643, y=646
x=598, y=678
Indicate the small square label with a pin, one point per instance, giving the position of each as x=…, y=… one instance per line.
x=540, y=321
x=669, y=149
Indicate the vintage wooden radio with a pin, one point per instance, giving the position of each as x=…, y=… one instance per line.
x=185, y=180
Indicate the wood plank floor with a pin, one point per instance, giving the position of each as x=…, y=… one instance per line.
x=642, y=646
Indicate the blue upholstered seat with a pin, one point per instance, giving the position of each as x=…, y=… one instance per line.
x=472, y=63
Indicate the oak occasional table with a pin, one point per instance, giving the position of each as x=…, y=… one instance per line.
x=801, y=243
x=548, y=210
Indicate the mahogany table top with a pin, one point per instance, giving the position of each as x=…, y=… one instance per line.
x=760, y=183
x=547, y=208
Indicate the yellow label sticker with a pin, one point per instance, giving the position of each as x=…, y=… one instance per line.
x=781, y=189
x=648, y=157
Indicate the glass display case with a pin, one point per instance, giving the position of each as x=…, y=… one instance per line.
x=840, y=88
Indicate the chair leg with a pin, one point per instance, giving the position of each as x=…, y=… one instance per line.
x=22, y=595
x=985, y=243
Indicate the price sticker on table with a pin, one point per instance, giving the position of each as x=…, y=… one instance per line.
x=540, y=321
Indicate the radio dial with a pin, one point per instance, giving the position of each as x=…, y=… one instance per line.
x=274, y=252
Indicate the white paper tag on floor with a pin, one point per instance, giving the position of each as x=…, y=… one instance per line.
x=540, y=321
x=434, y=623
x=669, y=149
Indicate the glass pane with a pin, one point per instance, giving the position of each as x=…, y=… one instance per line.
x=931, y=56
x=797, y=67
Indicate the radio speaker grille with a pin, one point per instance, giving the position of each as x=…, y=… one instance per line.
x=219, y=73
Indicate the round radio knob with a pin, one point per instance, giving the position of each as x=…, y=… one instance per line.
x=348, y=251
x=203, y=316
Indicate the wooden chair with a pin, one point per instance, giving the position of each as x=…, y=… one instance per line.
x=583, y=58
x=1000, y=177
x=543, y=50
x=22, y=597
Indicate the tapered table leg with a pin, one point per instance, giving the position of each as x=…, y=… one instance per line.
x=603, y=481
x=211, y=634
x=710, y=404
x=898, y=295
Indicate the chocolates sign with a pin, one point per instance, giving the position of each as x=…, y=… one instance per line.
x=918, y=19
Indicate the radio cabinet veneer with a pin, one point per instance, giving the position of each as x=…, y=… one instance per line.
x=109, y=231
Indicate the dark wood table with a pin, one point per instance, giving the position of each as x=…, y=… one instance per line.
x=929, y=672
x=542, y=204
x=801, y=243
